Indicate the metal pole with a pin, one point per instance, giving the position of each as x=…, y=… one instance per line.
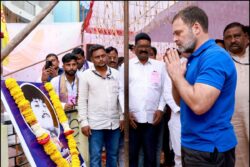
x=126, y=86
x=82, y=33
x=25, y=32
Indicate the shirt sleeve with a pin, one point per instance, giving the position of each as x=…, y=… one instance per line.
x=120, y=112
x=83, y=91
x=212, y=70
x=168, y=95
x=162, y=102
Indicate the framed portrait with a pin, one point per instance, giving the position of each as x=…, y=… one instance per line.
x=42, y=108
x=45, y=113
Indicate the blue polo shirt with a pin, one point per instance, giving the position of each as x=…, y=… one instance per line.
x=211, y=65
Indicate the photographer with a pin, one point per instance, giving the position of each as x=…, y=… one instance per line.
x=51, y=68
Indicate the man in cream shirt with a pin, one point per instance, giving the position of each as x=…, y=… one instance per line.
x=237, y=43
x=98, y=107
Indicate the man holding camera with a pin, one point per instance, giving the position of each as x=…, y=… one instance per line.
x=51, y=68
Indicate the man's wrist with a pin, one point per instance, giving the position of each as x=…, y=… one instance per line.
x=177, y=79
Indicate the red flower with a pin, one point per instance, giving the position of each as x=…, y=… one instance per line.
x=69, y=132
x=2, y=36
x=44, y=141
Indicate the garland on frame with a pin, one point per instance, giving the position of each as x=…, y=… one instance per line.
x=42, y=136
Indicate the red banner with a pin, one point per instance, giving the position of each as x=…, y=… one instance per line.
x=105, y=31
x=88, y=17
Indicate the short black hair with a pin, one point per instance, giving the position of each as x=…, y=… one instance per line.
x=51, y=55
x=154, y=50
x=95, y=47
x=111, y=48
x=141, y=36
x=131, y=46
x=246, y=30
x=192, y=14
x=31, y=92
x=68, y=57
x=234, y=24
x=78, y=51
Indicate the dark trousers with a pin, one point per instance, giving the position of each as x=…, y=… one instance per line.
x=168, y=153
x=194, y=158
x=143, y=136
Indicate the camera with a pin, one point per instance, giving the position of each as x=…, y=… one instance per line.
x=48, y=64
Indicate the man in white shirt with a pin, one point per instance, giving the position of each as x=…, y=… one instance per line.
x=82, y=63
x=98, y=107
x=112, y=54
x=160, y=127
x=174, y=123
x=146, y=102
x=65, y=84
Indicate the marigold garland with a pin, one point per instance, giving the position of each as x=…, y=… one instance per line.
x=43, y=138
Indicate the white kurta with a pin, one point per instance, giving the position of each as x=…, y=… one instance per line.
x=240, y=118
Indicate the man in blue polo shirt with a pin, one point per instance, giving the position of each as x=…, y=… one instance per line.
x=204, y=86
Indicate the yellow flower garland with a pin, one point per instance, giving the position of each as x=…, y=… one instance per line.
x=43, y=138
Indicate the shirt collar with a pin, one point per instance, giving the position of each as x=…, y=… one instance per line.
x=137, y=61
x=203, y=47
x=68, y=80
x=60, y=71
x=85, y=66
x=244, y=59
x=108, y=73
x=245, y=54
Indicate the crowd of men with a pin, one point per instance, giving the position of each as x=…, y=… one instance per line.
x=204, y=83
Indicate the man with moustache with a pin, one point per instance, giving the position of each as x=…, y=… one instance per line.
x=65, y=85
x=146, y=85
x=112, y=54
x=112, y=57
x=99, y=112
x=236, y=42
x=205, y=90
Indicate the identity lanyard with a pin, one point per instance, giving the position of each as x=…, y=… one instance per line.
x=108, y=75
x=246, y=64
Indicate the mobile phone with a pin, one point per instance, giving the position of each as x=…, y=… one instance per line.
x=48, y=64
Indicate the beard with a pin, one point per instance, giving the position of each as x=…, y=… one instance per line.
x=71, y=72
x=189, y=46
